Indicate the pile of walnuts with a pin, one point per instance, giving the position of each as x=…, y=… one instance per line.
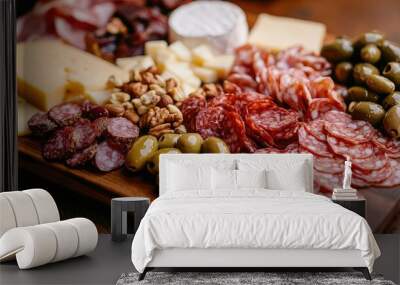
x=149, y=101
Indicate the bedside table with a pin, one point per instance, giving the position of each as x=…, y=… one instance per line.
x=358, y=206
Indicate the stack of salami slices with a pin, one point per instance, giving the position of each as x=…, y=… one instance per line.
x=78, y=134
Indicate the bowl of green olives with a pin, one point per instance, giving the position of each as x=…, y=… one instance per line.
x=369, y=66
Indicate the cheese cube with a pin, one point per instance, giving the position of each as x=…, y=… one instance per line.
x=99, y=97
x=184, y=73
x=152, y=47
x=206, y=75
x=222, y=64
x=280, y=33
x=187, y=89
x=139, y=62
x=49, y=71
x=25, y=112
x=163, y=57
x=181, y=51
x=202, y=54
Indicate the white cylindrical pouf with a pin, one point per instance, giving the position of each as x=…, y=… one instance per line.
x=7, y=218
x=87, y=235
x=45, y=205
x=33, y=246
x=23, y=208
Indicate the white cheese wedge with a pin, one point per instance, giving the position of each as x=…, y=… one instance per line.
x=222, y=64
x=152, y=47
x=220, y=24
x=206, y=75
x=181, y=51
x=280, y=33
x=49, y=72
x=139, y=62
x=25, y=112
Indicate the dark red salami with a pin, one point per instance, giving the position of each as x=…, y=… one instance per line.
x=344, y=149
x=65, y=114
x=108, y=158
x=82, y=136
x=328, y=181
x=56, y=147
x=329, y=165
x=313, y=145
x=190, y=108
x=317, y=129
x=375, y=176
x=209, y=121
x=292, y=148
x=354, y=132
x=233, y=131
x=100, y=126
x=394, y=179
x=336, y=117
x=319, y=106
x=373, y=162
x=121, y=131
x=41, y=125
x=81, y=158
x=93, y=111
x=389, y=145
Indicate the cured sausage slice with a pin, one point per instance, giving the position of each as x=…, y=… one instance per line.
x=108, y=158
x=93, y=111
x=328, y=181
x=389, y=145
x=82, y=157
x=233, y=132
x=313, y=145
x=354, y=132
x=317, y=129
x=291, y=148
x=373, y=162
x=374, y=176
x=358, y=183
x=209, y=121
x=65, y=114
x=41, y=125
x=121, y=131
x=336, y=116
x=56, y=147
x=342, y=148
x=329, y=165
x=320, y=106
x=82, y=136
x=100, y=126
x=190, y=108
x=394, y=179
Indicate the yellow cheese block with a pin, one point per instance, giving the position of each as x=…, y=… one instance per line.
x=280, y=33
x=49, y=72
x=25, y=112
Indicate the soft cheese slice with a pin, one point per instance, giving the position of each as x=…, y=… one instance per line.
x=280, y=33
x=49, y=72
x=25, y=112
x=220, y=24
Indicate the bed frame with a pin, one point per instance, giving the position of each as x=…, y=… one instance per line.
x=245, y=258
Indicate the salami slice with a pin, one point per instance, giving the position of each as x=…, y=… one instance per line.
x=81, y=158
x=374, y=176
x=334, y=165
x=65, y=114
x=56, y=147
x=82, y=136
x=291, y=148
x=313, y=145
x=319, y=106
x=394, y=179
x=190, y=108
x=233, y=131
x=121, y=131
x=358, y=183
x=209, y=121
x=354, y=132
x=41, y=125
x=389, y=145
x=93, y=111
x=336, y=116
x=371, y=163
x=317, y=129
x=328, y=181
x=100, y=126
x=344, y=149
x=108, y=158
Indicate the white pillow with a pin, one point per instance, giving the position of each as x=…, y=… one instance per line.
x=251, y=178
x=223, y=179
x=182, y=178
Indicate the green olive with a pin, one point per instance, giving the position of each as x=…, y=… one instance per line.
x=391, y=100
x=390, y=51
x=168, y=140
x=380, y=84
x=368, y=38
x=190, y=143
x=141, y=151
x=370, y=53
x=214, y=145
x=391, y=122
x=152, y=164
x=339, y=50
x=392, y=71
x=357, y=93
x=343, y=72
x=367, y=111
x=362, y=70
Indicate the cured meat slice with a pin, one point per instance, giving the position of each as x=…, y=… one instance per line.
x=287, y=134
x=65, y=114
x=344, y=149
x=328, y=181
x=313, y=145
x=93, y=111
x=374, y=176
x=82, y=136
x=233, y=131
x=292, y=148
x=334, y=165
x=41, y=125
x=389, y=145
x=320, y=106
x=100, y=126
x=108, y=158
x=336, y=117
x=354, y=132
x=358, y=183
x=394, y=179
x=190, y=108
x=81, y=158
x=121, y=131
x=373, y=162
x=317, y=129
x=209, y=121
x=56, y=147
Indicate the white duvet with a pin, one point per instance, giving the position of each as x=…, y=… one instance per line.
x=250, y=219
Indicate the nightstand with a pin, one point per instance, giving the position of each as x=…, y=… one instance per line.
x=358, y=206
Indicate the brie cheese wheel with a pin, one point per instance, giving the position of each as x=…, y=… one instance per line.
x=221, y=25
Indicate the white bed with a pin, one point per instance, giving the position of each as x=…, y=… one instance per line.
x=249, y=227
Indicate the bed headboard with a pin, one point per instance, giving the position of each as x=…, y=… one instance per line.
x=214, y=159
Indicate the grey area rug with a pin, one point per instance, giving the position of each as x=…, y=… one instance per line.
x=243, y=278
